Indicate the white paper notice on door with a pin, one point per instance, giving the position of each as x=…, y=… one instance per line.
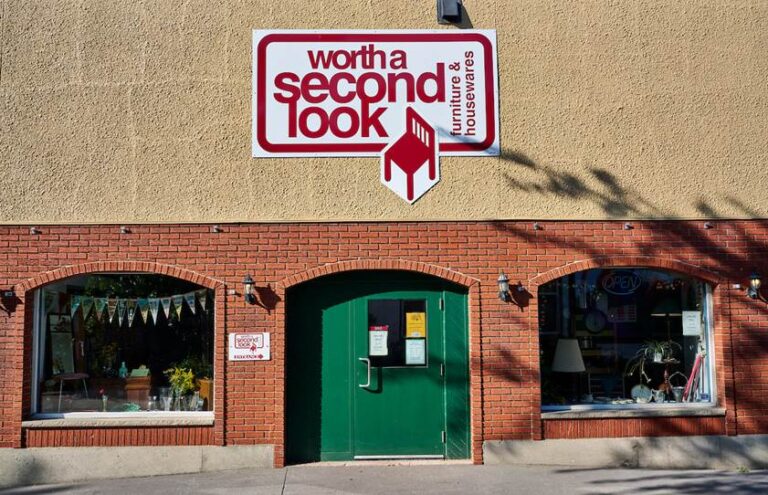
x=692, y=323
x=377, y=340
x=416, y=351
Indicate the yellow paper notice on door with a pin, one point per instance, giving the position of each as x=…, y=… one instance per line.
x=415, y=325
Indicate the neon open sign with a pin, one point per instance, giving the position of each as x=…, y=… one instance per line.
x=622, y=282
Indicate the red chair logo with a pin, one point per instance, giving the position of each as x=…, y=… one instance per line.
x=410, y=165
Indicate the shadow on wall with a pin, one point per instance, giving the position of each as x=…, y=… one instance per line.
x=729, y=250
x=618, y=201
x=27, y=472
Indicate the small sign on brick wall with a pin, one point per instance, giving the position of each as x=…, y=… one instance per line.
x=249, y=347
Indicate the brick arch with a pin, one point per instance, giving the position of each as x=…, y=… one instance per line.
x=626, y=261
x=25, y=328
x=473, y=314
x=351, y=265
x=118, y=266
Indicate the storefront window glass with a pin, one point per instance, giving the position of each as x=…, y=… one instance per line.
x=123, y=343
x=624, y=338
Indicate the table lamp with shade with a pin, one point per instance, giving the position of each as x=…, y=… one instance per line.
x=568, y=359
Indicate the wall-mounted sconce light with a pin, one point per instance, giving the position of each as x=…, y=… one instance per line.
x=449, y=11
x=215, y=229
x=537, y=226
x=504, y=293
x=124, y=230
x=753, y=291
x=250, y=297
x=709, y=225
x=628, y=226
x=34, y=231
x=504, y=287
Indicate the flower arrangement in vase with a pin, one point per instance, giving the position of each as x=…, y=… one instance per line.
x=182, y=381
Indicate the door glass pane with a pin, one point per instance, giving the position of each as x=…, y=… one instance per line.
x=397, y=332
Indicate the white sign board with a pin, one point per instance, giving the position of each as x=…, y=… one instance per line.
x=416, y=351
x=692, y=323
x=249, y=347
x=345, y=93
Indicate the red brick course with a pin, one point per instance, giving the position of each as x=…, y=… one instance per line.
x=503, y=337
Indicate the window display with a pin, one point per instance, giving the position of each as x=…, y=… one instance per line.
x=618, y=337
x=123, y=343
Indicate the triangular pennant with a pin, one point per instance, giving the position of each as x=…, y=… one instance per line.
x=75, y=305
x=191, y=300
x=143, y=309
x=99, y=304
x=121, y=307
x=131, y=305
x=154, y=308
x=202, y=298
x=165, y=303
x=51, y=301
x=111, y=309
x=87, y=304
x=178, y=301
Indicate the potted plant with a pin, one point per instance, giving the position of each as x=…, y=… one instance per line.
x=656, y=351
x=203, y=377
x=182, y=381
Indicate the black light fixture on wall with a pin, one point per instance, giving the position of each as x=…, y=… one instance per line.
x=249, y=296
x=449, y=11
x=753, y=291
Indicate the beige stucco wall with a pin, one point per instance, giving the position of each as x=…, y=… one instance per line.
x=115, y=111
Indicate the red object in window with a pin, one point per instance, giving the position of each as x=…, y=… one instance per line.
x=412, y=150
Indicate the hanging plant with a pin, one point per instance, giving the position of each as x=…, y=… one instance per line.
x=657, y=351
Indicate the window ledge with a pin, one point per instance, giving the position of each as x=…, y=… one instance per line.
x=635, y=413
x=118, y=420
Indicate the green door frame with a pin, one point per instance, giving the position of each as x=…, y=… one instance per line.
x=318, y=417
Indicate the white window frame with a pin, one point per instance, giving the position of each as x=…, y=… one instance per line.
x=709, y=376
x=38, y=348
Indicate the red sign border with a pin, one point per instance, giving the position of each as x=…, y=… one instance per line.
x=261, y=114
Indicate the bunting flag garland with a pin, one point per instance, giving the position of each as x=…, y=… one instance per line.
x=131, y=305
x=154, y=308
x=126, y=308
x=178, y=301
x=87, y=304
x=99, y=303
x=143, y=309
x=75, y=304
x=202, y=298
x=166, y=305
x=121, y=307
x=111, y=309
x=191, y=301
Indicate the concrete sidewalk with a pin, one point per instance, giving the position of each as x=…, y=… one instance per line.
x=424, y=480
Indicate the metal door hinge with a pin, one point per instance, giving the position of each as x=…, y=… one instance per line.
x=442, y=304
x=443, y=436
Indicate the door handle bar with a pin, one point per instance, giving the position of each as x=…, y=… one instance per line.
x=368, y=363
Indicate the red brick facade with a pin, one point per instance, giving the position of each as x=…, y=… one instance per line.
x=503, y=336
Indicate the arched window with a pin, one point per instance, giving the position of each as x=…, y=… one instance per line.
x=625, y=338
x=122, y=343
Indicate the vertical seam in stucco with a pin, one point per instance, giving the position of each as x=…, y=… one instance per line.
x=2, y=40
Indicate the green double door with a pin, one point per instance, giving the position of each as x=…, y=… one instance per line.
x=377, y=367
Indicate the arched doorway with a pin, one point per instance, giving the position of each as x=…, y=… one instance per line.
x=377, y=367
